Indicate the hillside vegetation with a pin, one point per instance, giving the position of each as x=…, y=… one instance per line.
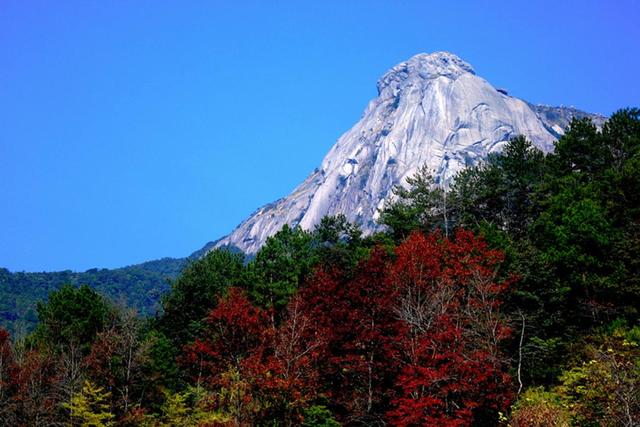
x=139, y=286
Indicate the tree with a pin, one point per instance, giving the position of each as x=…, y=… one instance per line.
x=539, y=408
x=622, y=135
x=234, y=328
x=175, y=410
x=568, y=225
x=8, y=378
x=576, y=237
x=337, y=243
x=353, y=318
x=319, y=416
x=454, y=372
x=226, y=359
x=196, y=291
x=160, y=371
x=72, y=316
x=38, y=396
x=117, y=360
x=598, y=388
x=191, y=407
x=421, y=206
x=605, y=390
x=500, y=190
x=279, y=267
x=588, y=227
x=90, y=407
x=285, y=369
x=581, y=150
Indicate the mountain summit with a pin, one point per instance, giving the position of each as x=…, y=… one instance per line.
x=431, y=109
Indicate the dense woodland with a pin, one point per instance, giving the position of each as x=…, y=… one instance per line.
x=139, y=286
x=510, y=298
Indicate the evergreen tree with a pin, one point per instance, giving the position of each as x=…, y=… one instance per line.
x=338, y=243
x=196, y=291
x=500, y=190
x=280, y=267
x=421, y=206
x=72, y=317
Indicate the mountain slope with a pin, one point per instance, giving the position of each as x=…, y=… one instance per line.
x=432, y=109
x=138, y=286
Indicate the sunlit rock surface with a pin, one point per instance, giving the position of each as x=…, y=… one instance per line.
x=432, y=109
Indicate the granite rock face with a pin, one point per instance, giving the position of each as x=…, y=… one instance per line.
x=432, y=109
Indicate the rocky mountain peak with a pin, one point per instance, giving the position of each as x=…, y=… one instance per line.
x=424, y=66
x=430, y=110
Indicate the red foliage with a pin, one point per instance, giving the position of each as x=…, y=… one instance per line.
x=454, y=371
x=99, y=361
x=285, y=369
x=355, y=321
x=8, y=375
x=8, y=366
x=30, y=388
x=37, y=395
x=409, y=341
x=274, y=365
x=235, y=329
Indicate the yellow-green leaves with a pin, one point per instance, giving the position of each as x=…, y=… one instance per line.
x=90, y=408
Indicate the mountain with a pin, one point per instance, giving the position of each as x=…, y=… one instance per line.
x=432, y=109
x=139, y=286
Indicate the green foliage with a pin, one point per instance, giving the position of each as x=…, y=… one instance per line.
x=196, y=291
x=581, y=150
x=319, y=416
x=500, y=190
x=543, y=359
x=139, y=286
x=575, y=238
x=175, y=410
x=160, y=369
x=288, y=257
x=189, y=408
x=337, y=243
x=72, y=316
x=600, y=387
x=604, y=389
x=422, y=206
x=280, y=267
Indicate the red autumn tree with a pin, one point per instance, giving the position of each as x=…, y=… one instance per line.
x=115, y=362
x=235, y=329
x=454, y=373
x=267, y=372
x=285, y=369
x=226, y=357
x=38, y=393
x=360, y=331
x=8, y=377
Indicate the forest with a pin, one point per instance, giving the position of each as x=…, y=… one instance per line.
x=509, y=299
x=139, y=286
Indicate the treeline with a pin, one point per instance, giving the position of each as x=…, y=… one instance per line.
x=139, y=286
x=509, y=299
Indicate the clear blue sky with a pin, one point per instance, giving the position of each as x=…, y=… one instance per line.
x=133, y=130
